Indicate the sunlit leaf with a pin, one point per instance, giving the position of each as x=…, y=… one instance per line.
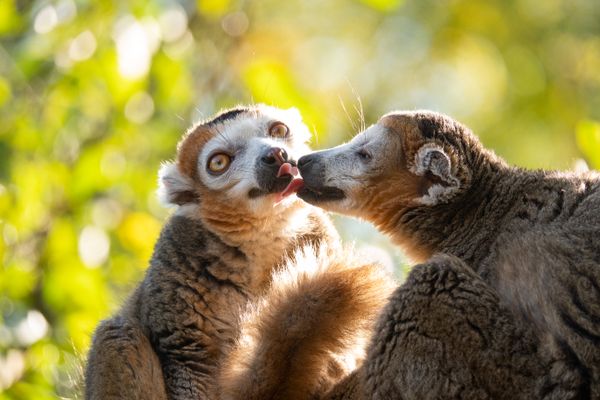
x=588, y=140
x=383, y=5
x=17, y=279
x=10, y=19
x=35, y=390
x=271, y=82
x=138, y=233
x=80, y=326
x=5, y=91
x=213, y=8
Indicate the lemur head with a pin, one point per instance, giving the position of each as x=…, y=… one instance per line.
x=233, y=170
x=406, y=159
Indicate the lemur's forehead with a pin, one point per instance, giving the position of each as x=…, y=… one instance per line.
x=414, y=128
x=255, y=123
x=429, y=125
x=398, y=122
x=373, y=136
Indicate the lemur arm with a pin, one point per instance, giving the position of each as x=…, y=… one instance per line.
x=122, y=364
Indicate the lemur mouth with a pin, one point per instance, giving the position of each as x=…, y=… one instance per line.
x=295, y=184
x=315, y=195
x=282, y=182
x=306, y=192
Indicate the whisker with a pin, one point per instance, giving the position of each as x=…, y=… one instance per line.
x=354, y=127
x=359, y=110
x=315, y=135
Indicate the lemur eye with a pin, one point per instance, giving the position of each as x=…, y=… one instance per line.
x=364, y=155
x=218, y=163
x=279, y=130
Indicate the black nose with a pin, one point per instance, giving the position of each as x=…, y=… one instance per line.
x=305, y=161
x=275, y=156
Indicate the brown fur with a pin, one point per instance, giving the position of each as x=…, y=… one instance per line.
x=511, y=308
x=127, y=366
x=216, y=257
x=316, y=315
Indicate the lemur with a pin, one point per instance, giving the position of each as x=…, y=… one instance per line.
x=248, y=294
x=506, y=302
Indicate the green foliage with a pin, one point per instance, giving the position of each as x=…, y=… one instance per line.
x=588, y=139
x=93, y=95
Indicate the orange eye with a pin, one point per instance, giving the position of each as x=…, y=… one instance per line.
x=218, y=163
x=279, y=130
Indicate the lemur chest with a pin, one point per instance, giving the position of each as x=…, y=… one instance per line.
x=265, y=258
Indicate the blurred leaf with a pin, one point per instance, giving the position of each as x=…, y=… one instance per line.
x=5, y=92
x=383, y=5
x=138, y=233
x=213, y=8
x=271, y=82
x=588, y=140
x=10, y=19
x=80, y=326
x=36, y=390
x=17, y=280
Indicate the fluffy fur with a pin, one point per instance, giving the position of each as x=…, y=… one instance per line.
x=308, y=331
x=510, y=307
x=216, y=257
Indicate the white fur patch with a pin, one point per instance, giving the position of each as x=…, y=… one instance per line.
x=436, y=194
x=170, y=183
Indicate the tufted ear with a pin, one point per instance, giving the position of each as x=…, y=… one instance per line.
x=174, y=188
x=435, y=166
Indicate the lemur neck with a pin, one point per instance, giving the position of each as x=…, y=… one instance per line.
x=467, y=226
x=267, y=240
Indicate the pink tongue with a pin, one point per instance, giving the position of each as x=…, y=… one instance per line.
x=295, y=184
x=287, y=169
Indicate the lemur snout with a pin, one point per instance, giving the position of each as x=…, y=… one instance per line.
x=305, y=160
x=275, y=155
x=309, y=165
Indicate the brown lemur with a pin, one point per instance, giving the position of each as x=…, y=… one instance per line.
x=248, y=294
x=507, y=302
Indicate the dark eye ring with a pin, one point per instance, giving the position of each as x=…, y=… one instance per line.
x=364, y=155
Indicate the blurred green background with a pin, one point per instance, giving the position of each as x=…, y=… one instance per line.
x=93, y=95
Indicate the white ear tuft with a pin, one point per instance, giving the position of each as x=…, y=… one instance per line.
x=174, y=188
x=432, y=162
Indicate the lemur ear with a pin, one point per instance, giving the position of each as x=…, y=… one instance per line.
x=435, y=166
x=174, y=188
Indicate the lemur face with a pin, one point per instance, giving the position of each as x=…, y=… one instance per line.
x=242, y=160
x=405, y=159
